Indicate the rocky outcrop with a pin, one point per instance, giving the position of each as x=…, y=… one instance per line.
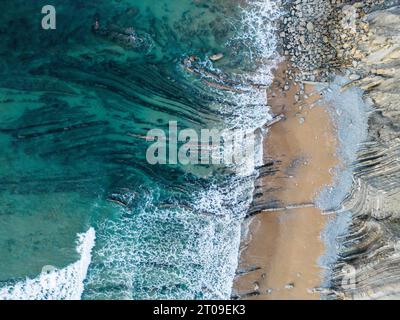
x=369, y=263
x=360, y=40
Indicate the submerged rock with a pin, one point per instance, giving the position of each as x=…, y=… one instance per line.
x=216, y=57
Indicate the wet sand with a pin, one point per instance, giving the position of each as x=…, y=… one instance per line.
x=279, y=254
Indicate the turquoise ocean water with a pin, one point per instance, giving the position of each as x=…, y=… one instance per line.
x=83, y=215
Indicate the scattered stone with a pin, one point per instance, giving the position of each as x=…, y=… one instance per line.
x=256, y=286
x=312, y=290
x=289, y=286
x=216, y=57
x=326, y=44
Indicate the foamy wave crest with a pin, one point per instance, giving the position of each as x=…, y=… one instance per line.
x=256, y=32
x=231, y=198
x=58, y=284
x=189, y=249
x=247, y=108
x=168, y=253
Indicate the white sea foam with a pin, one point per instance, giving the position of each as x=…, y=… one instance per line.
x=257, y=33
x=191, y=251
x=200, y=247
x=57, y=284
x=247, y=109
x=173, y=253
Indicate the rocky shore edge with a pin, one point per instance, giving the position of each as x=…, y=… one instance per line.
x=359, y=43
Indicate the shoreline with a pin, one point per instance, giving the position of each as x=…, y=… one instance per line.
x=350, y=54
x=272, y=265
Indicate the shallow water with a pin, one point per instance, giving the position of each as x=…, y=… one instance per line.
x=75, y=103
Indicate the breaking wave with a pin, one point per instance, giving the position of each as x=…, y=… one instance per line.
x=56, y=284
x=188, y=249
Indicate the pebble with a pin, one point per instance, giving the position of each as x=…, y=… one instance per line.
x=256, y=286
x=354, y=77
x=289, y=286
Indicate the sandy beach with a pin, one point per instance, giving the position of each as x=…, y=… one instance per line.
x=282, y=245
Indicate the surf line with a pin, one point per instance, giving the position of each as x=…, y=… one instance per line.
x=176, y=311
